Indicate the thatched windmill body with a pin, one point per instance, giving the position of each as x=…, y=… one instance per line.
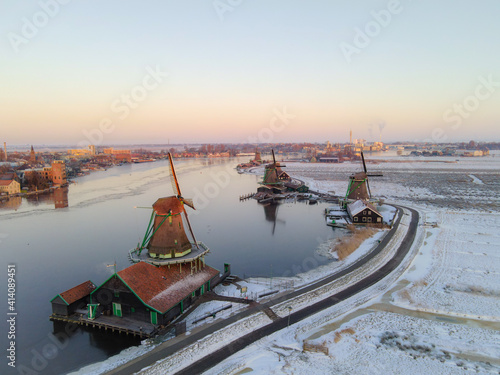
x=165, y=236
x=359, y=187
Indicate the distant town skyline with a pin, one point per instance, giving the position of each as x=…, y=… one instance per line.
x=80, y=73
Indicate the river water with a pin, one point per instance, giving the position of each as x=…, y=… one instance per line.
x=60, y=240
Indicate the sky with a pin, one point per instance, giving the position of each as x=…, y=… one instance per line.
x=235, y=71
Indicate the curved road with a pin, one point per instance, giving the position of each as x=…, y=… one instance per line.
x=171, y=346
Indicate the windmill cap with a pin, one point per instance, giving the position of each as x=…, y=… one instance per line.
x=360, y=175
x=164, y=206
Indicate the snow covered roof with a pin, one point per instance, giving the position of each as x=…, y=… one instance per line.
x=359, y=205
x=162, y=287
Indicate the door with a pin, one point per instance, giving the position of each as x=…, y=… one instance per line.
x=154, y=317
x=117, y=309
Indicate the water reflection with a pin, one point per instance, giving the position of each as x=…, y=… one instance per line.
x=57, y=197
x=12, y=203
x=271, y=213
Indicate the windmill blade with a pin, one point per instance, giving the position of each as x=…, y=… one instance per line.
x=191, y=229
x=173, y=176
x=364, y=164
x=274, y=159
x=368, y=186
x=188, y=202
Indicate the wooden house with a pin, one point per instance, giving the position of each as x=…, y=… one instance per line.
x=77, y=298
x=362, y=212
x=152, y=294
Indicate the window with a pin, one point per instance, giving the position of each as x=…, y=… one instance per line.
x=369, y=219
x=364, y=219
x=117, y=294
x=369, y=212
x=355, y=219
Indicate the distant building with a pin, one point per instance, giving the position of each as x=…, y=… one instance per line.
x=80, y=152
x=55, y=174
x=362, y=212
x=10, y=187
x=471, y=153
x=33, y=158
x=58, y=172
x=326, y=159
x=77, y=298
x=119, y=155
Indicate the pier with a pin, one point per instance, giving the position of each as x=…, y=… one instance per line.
x=110, y=323
x=247, y=196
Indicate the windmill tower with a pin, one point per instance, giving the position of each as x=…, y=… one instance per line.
x=257, y=158
x=273, y=174
x=165, y=236
x=359, y=187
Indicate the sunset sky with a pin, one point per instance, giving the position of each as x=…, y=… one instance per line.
x=114, y=72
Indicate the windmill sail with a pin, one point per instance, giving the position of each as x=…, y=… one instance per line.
x=166, y=236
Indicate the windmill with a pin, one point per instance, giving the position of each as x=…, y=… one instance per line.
x=359, y=187
x=165, y=236
x=273, y=174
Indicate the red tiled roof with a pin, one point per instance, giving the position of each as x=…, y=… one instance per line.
x=161, y=287
x=79, y=291
x=5, y=182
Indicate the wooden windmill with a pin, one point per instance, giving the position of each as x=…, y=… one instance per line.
x=165, y=236
x=359, y=187
x=273, y=174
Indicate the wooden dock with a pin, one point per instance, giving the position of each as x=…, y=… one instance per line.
x=111, y=323
x=245, y=197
